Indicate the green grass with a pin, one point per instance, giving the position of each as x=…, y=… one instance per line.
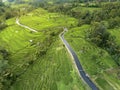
x=52, y=71
x=16, y=40
x=104, y=84
x=96, y=61
x=16, y=37
x=116, y=34
x=10, y=34
x=40, y=20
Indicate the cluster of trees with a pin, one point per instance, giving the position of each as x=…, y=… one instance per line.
x=5, y=13
x=84, y=16
x=101, y=21
x=109, y=12
x=99, y=35
x=5, y=71
x=95, y=0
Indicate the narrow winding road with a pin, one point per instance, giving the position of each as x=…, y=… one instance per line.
x=77, y=62
x=72, y=53
x=17, y=22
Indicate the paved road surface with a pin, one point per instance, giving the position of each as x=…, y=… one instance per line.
x=84, y=76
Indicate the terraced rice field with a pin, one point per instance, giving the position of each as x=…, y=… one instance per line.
x=96, y=61
x=53, y=70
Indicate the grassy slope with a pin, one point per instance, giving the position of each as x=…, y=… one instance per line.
x=40, y=20
x=55, y=68
x=49, y=71
x=116, y=33
x=96, y=62
x=17, y=42
x=14, y=32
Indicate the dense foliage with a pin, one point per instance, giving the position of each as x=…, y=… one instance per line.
x=99, y=35
x=5, y=13
x=4, y=54
x=5, y=72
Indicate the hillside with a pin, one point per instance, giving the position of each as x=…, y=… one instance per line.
x=56, y=45
x=47, y=60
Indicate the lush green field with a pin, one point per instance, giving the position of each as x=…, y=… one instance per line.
x=53, y=70
x=16, y=40
x=96, y=62
x=40, y=61
x=116, y=34
x=40, y=19
x=14, y=32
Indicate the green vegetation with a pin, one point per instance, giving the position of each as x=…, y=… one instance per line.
x=53, y=71
x=96, y=61
x=98, y=41
x=115, y=32
x=33, y=61
x=15, y=40
x=41, y=20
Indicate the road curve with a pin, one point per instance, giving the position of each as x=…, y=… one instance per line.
x=84, y=76
x=72, y=53
x=17, y=22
